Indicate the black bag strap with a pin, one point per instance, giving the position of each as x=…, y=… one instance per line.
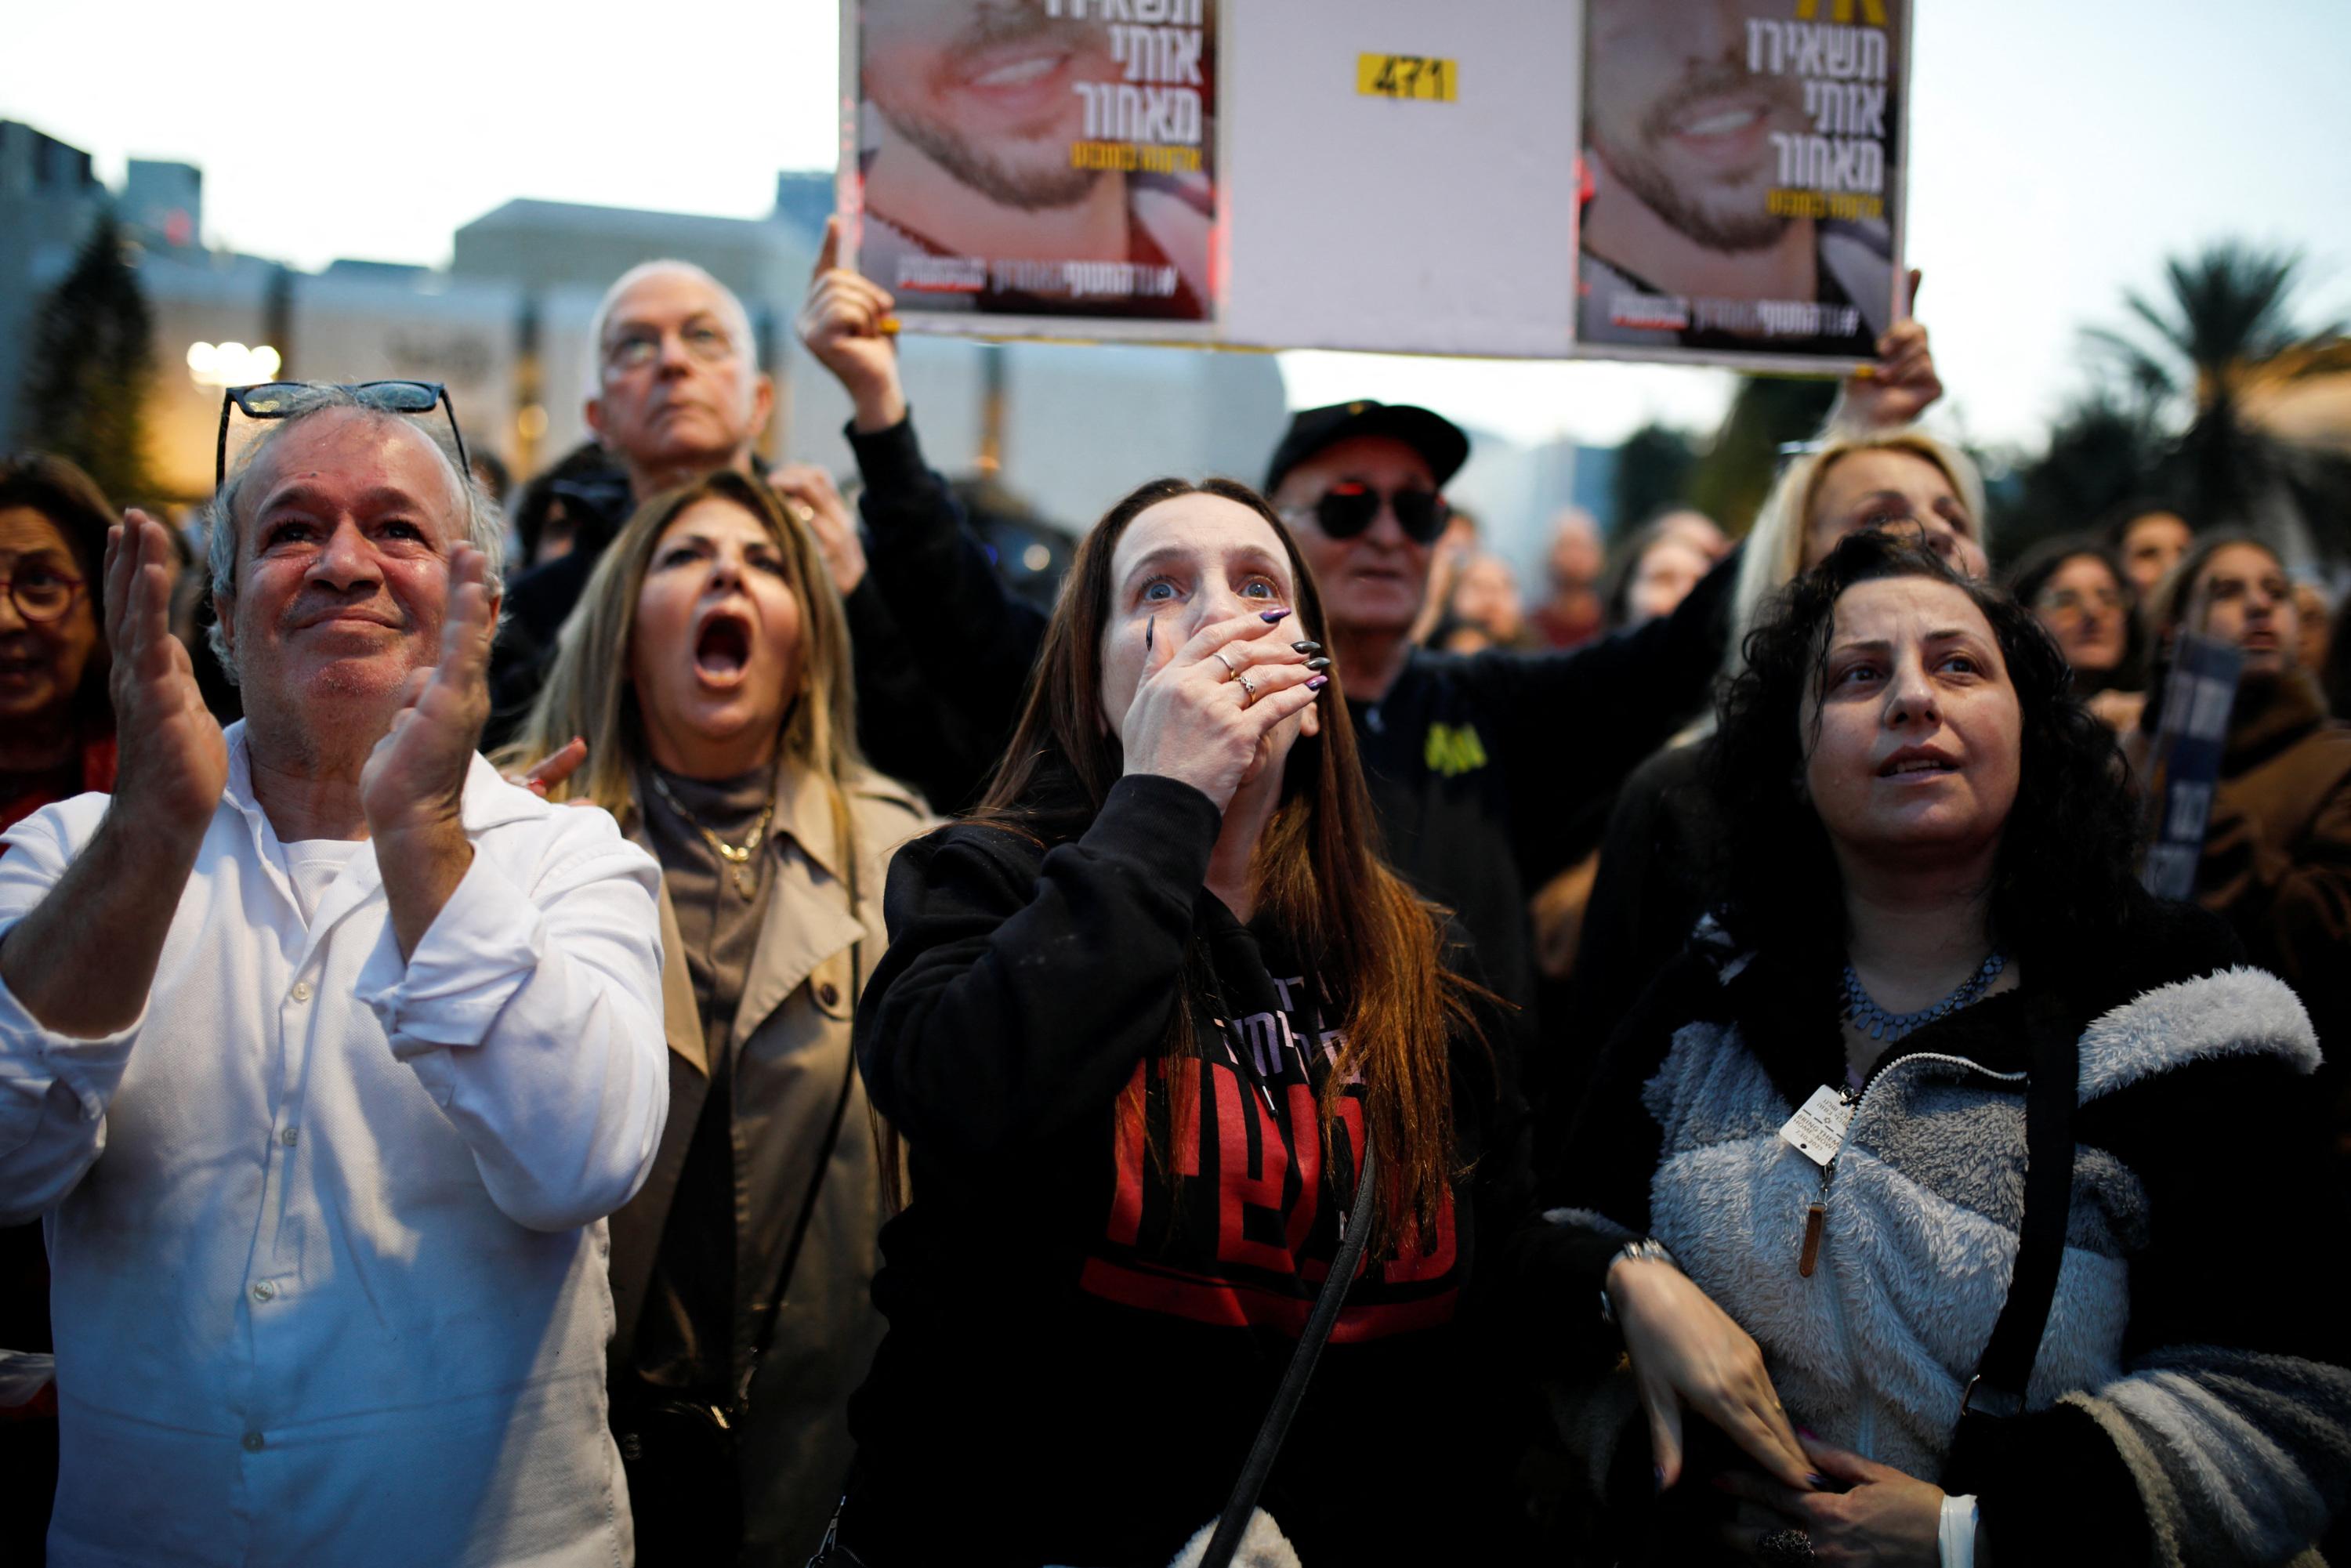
x=1355, y=1230
x=1996, y=1392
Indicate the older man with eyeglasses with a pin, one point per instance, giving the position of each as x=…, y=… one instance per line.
x=677, y=392
x=324, y=1051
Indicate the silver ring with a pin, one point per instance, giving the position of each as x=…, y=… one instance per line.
x=1247, y=687
x=1230, y=674
x=1786, y=1548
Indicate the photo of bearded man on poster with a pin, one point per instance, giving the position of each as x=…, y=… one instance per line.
x=1038, y=157
x=1702, y=222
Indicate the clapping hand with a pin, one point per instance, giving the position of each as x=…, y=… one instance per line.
x=172, y=760
x=415, y=777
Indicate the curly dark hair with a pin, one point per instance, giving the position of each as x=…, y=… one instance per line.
x=2065, y=860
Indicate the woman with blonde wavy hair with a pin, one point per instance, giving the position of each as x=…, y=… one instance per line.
x=707, y=672
x=1662, y=839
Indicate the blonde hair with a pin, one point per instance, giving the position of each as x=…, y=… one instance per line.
x=1774, y=555
x=589, y=692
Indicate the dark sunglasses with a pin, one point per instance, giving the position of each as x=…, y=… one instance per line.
x=1350, y=507
x=277, y=400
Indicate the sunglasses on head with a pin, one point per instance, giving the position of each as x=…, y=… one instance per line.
x=1350, y=507
x=283, y=400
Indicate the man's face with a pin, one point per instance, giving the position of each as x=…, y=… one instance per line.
x=985, y=89
x=343, y=572
x=2246, y=599
x=1374, y=581
x=677, y=390
x=1683, y=124
x=2152, y=545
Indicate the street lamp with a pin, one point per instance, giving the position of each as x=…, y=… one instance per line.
x=231, y=364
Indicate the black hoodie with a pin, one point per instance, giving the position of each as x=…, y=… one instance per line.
x=1076, y=1365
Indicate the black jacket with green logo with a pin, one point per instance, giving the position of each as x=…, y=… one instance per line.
x=1491, y=773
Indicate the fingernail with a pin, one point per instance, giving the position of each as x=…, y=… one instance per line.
x=1271, y=617
x=1808, y=1432
x=1318, y=683
x=1657, y=1477
x=1308, y=647
x=1318, y=663
x=1818, y=1479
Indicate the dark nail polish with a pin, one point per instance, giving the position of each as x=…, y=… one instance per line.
x=1318, y=663
x=1819, y=1481
x=1657, y=1477
x=1808, y=1432
x=1318, y=683
x=1273, y=616
x=1308, y=647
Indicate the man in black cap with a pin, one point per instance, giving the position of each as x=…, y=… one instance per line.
x=1481, y=767
x=1488, y=769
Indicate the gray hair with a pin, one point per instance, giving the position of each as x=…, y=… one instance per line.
x=738, y=320
x=486, y=529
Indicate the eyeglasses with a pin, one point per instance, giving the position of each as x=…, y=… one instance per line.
x=641, y=346
x=1350, y=507
x=281, y=399
x=40, y=593
x=2072, y=602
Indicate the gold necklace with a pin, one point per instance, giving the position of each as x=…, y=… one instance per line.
x=746, y=881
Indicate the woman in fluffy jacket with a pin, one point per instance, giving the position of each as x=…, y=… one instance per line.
x=1930, y=869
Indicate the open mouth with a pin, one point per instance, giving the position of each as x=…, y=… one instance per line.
x=1906, y=766
x=723, y=651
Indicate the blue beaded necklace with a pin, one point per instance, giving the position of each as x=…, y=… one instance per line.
x=1889, y=1027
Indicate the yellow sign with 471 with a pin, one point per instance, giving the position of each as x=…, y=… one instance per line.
x=1408, y=75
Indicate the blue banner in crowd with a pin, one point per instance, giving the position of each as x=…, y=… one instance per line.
x=2186, y=763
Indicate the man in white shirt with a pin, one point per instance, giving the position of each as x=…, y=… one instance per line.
x=323, y=1055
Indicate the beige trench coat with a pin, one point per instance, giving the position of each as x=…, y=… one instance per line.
x=799, y=998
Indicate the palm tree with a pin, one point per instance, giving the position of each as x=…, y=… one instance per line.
x=2101, y=453
x=2226, y=329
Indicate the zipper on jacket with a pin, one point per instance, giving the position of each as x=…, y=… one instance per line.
x=1816, y=1223
x=1816, y=1216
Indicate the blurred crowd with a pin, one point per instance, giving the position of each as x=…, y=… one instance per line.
x=665, y=1010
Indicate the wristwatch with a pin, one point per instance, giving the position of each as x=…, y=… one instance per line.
x=1647, y=1250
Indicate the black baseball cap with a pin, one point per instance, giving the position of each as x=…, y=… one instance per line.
x=1440, y=442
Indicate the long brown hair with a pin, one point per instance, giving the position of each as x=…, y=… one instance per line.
x=1374, y=944
x=589, y=692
